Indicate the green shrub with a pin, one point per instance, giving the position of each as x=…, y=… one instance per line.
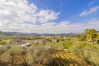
x=88, y=52
x=3, y=49
x=14, y=55
x=67, y=44
x=37, y=53
x=91, y=54
x=77, y=50
x=58, y=46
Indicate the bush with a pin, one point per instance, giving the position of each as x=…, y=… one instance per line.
x=37, y=53
x=15, y=55
x=58, y=46
x=91, y=54
x=67, y=44
x=77, y=50
x=3, y=49
x=88, y=52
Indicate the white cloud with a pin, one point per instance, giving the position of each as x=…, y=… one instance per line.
x=16, y=11
x=89, y=11
x=47, y=15
x=20, y=16
x=62, y=27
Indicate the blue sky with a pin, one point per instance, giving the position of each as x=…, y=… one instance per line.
x=69, y=9
x=49, y=16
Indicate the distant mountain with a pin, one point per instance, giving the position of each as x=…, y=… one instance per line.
x=32, y=34
x=18, y=34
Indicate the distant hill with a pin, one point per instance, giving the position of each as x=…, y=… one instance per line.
x=30, y=34
x=18, y=34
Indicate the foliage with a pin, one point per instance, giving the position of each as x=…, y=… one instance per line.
x=2, y=50
x=67, y=44
x=58, y=46
x=81, y=37
x=91, y=34
x=15, y=55
x=36, y=53
x=87, y=51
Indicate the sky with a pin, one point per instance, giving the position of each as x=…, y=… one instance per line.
x=49, y=16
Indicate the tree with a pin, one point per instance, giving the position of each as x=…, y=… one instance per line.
x=91, y=34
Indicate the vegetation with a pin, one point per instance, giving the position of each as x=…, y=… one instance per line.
x=91, y=34
x=81, y=49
